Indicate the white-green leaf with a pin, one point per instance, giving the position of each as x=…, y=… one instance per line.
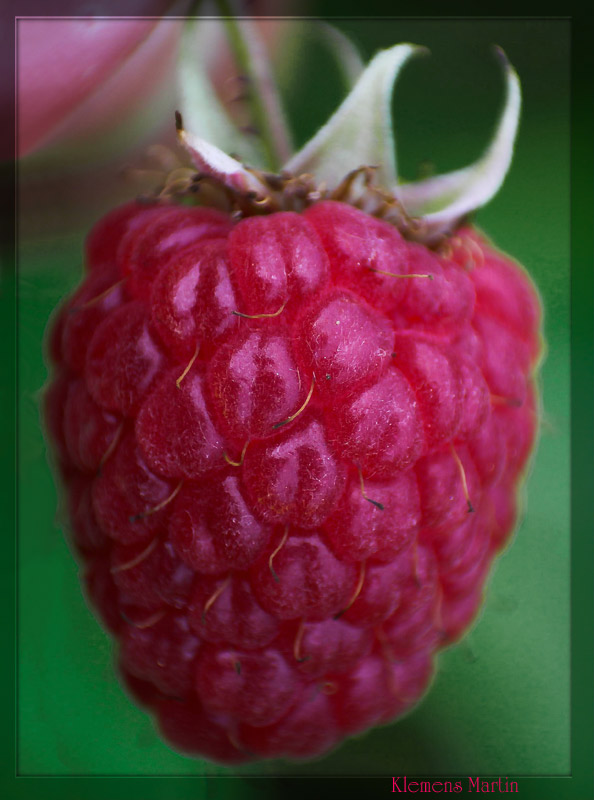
x=441, y=202
x=203, y=113
x=360, y=132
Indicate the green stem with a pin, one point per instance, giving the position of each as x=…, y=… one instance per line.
x=265, y=107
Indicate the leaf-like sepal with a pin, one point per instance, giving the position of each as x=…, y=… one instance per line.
x=212, y=161
x=443, y=201
x=360, y=132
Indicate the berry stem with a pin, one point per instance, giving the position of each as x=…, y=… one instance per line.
x=404, y=275
x=137, y=560
x=241, y=457
x=146, y=623
x=98, y=298
x=301, y=409
x=188, y=366
x=214, y=597
x=112, y=446
x=268, y=118
x=357, y=592
x=462, y=472
x=297, y=643
x=272, y=555
x=161, y=505
x=369, y=500
x=261, y=316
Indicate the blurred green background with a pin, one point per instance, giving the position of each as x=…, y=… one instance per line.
x=500, y=704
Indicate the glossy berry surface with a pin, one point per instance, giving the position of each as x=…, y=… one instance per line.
x=291, y=448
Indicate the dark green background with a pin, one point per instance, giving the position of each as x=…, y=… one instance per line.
x=500, y=704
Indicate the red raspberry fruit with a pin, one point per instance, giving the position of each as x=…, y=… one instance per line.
x=288, y=472
x=291, y=432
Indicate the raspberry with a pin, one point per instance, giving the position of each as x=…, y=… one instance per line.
x=272, y=554
x=291, y=443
